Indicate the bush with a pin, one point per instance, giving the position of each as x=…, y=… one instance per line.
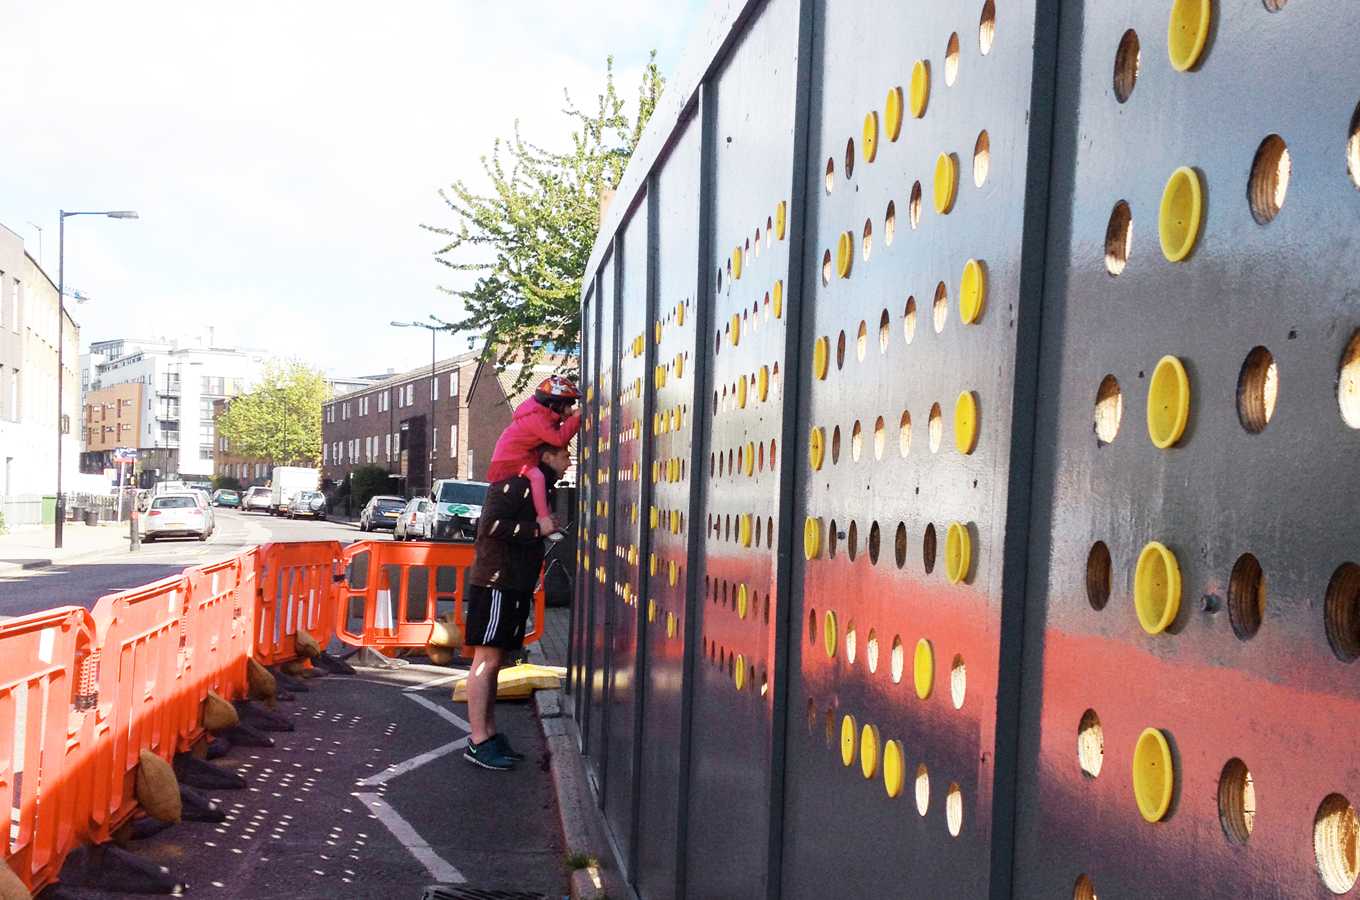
x=226, y=483
x=365, y=482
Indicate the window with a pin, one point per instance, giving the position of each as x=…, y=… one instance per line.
x=325, y=454
x=410, y=394
x=453, y=442
x=363, y=406
x=453, y=384
x=434, y=388
x=344, y=410
x=205, y=451
x=434, y=440
x=387, y=442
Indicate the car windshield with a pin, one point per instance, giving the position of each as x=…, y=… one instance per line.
x=174, y=503
x=259, y=491
x=230, y=495
x=389, y=505
x=471, y=493
x=307, y=495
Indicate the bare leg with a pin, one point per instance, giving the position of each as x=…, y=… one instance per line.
x=481, y=687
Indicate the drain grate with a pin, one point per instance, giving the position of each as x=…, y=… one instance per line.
x=468, y=892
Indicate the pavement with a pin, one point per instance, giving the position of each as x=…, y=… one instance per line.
x=30, y=546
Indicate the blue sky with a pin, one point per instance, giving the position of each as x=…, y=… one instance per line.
x=283, y=155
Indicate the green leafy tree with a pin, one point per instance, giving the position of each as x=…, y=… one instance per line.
x=530, y=237
x=281, y=419
x=226, y=483
x=365, y=482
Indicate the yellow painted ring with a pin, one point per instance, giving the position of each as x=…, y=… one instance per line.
x=750, y=459
x=658, y=332
x=651, y=564
x=741, y=392
x=672, y=571
x=972, y=291
x=636, y=473
x=654, y=517
x=656, y=471
x=870, y=143
x=1178, y=218
x=1156, y=587
x=812, y=538
x=679, y=365
x=675, y=521
x=763, y=383
x=778, y=299
x=816, y=447
x=845, y=254
x=946, y=182
x=745, y=529
x=849, y=731
x=892, y=113
x=894, y=768
x=920, y=87
x=1168, y=404
x=670, y=625
x=821, y=357
x=829, y=634
x=736, y=263
x=1154, y=774
x=651, y=610
x=1187, y=31
x=736, y=329
x=966, y=422
x=743, y=603
x=781, y=216
x=680, y=314
x=868, y=751
x=923, y=669
x=958, y=552
x=739, y=672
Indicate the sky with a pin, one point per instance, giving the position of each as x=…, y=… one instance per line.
x=282, y=156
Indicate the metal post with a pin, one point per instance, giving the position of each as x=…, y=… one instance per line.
x=429, y=445
x=61, y=329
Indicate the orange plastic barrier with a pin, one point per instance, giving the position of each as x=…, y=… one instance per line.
x=393, y=592
x=295, y=589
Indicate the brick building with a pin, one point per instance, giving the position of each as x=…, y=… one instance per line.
x=112, y=418
x=387, y=425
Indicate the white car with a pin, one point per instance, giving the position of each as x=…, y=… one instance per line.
x=416, y=521
x=257, y=498
x=183, y=514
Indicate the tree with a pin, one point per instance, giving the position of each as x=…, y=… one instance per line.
x=226, y=483
x=366, y=481
x=281, y=419
x=538, y=225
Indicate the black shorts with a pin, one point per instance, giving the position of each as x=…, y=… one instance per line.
x=497, y=617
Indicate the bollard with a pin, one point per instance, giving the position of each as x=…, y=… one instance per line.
x=134, y=539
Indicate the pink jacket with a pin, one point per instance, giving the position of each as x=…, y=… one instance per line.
x=533, y=424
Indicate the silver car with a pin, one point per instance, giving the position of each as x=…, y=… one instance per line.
x=183, y=514
x=416, y=521
x=310, y=504
x=257, y=498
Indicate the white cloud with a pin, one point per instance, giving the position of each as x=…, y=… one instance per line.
x=283, y=155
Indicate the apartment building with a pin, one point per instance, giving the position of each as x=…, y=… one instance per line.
x=29, y=311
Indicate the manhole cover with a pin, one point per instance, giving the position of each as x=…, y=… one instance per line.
x=468, y=892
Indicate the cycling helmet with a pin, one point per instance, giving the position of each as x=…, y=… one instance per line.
x=558, y=390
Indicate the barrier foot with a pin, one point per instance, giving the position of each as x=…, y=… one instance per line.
x=333, y=664
x=200, y=774
x=264, y=719
x=243, y=735
x=145, y=827
x=110, y=868
x=218, y=747
x=375, y=659
x=197, y=807
x=289, y=682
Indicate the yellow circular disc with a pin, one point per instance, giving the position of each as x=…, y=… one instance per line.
x=821, y=357
x=736, y=263
x=849, y=731
x=781, y=216
x=750, y=459
x=675, y=521
x=652, y=519
x=870, y=143
x=778, y=299
x=1168, y=404
x=1154, y=774
x=894, y=768
x=675, y=419
x=1156, y=587
x=739, y=672
x=845, y=254
x=946, y=182
x=763, y=383
x=651, y=610
x=812, y=538
x=829, y=633
x=816, y=447
x=656, y=471
x=920, y=87
x=680, y=314
x=742, y=602
x=923, y=668
x=636, y=468
x=741, y=392
x=1187, y=32
x=958, y=552
x=892, y=113
x=672, y=572
x=679, y=365
x=657, y=338
x=868, y=751
x=736, y=329
x=972, y=291
x=966, y=422
x=670, y=625
x=744, y=529
x=651, y=564
x=1178, y=217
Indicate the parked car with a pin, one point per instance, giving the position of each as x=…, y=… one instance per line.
x=178, y=514
x=311, y=504
x=414, y=523
x=381, y=512
x=169, y=487
x=224, y=497
x=257, y=498
x=458, y=508
x=287, y=481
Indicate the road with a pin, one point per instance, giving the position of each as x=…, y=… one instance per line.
x=84, y=582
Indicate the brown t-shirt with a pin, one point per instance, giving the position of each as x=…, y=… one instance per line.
x=509, y=547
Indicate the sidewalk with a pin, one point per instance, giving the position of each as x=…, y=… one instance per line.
x=30, y=546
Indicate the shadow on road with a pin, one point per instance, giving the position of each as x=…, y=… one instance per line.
x=75, y=585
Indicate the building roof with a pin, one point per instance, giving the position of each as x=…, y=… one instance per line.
x=440, y=367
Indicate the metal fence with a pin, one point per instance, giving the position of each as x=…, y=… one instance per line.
x=18, y=511
x=971, y=455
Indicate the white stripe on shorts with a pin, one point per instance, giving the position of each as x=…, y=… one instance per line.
x=494, y=618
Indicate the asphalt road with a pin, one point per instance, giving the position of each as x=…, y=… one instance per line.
x=84, y=582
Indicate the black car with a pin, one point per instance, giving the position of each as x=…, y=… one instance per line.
x=381, y=512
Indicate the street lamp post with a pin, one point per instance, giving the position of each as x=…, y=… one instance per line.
x=434, y=329
x=61, y=337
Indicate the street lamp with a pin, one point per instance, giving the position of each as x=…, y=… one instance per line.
x=63, y=215
x=434, y=328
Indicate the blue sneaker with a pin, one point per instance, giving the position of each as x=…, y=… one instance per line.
x=503, y=744
x=488, y=755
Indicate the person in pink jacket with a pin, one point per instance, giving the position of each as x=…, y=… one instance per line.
x=545, y=418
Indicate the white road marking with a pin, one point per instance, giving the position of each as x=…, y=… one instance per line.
x=424, y=686
x=439, y=868
x=442, y=712
x=412, y=764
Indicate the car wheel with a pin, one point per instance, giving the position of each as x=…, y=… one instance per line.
x=203, y=536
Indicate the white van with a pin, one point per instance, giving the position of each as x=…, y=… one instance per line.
x=287, y=481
